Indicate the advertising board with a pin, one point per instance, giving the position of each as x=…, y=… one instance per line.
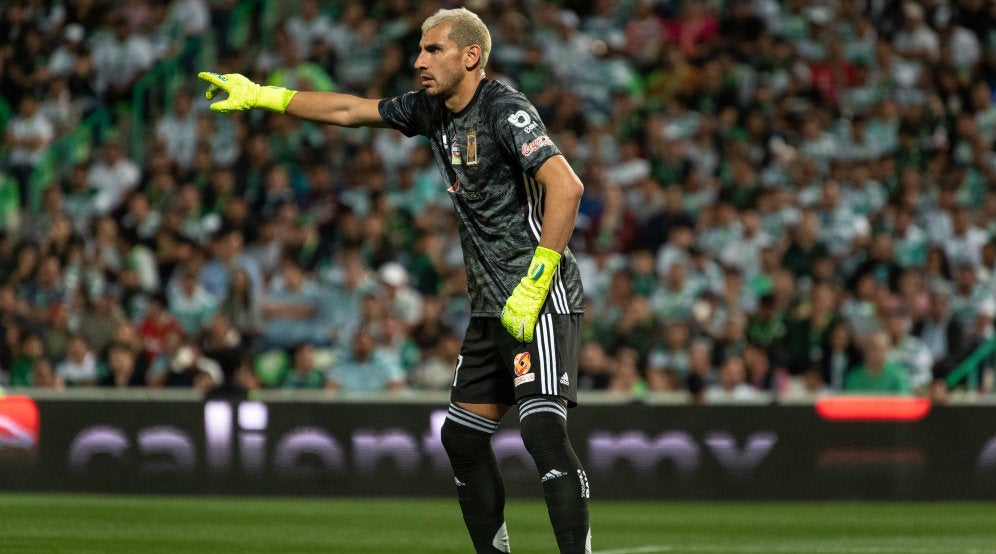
x=386, y=448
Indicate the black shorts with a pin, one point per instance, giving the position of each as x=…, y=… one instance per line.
x=494, y=368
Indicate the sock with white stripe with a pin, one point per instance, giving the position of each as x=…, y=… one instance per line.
x=565, y=485
x=466, y=437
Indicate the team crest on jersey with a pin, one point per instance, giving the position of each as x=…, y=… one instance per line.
x=522, y=363
x=472, y=148
x=455, y=156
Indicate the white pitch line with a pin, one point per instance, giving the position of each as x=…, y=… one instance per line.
x=769, y=550
x=639, y=550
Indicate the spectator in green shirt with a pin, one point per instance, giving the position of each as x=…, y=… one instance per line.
x=31, y=350
x=304, y=374
x=876, y=375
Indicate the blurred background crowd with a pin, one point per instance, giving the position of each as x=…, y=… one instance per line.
x=782, y=198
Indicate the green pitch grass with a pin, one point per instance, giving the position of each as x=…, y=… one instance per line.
x=190, y=525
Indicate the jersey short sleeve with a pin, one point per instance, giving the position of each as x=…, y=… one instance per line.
x=521, y=133
x=409, y=113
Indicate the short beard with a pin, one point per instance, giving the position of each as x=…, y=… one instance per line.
x=444, y=92
x=440, y=92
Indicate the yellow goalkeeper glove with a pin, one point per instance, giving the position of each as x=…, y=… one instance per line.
x=523, y=307
x=244, y=94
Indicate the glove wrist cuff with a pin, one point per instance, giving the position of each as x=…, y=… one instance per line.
x=274, y=99
x=542, y=267
x=551, y=257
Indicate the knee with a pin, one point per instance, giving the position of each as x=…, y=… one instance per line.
x=449, y=435
x=543, y=431
x=459, y=440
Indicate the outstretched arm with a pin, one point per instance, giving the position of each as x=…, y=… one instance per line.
x=332, y=108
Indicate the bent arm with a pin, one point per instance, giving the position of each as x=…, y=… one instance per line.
x=333, y=108
x=560, y=207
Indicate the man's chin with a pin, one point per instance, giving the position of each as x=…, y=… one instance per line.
x=436, y=90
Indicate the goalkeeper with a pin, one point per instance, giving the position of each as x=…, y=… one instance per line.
x=517, y=199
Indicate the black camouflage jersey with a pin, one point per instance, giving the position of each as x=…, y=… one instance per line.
x=489, y=153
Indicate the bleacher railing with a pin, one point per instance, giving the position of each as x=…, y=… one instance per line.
x=152, y=89
x=972, y=368
x=70, y=148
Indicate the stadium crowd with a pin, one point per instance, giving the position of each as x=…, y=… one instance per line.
x=790, y=197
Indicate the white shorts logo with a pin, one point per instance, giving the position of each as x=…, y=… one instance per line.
x=527, y=378
x=456, y=372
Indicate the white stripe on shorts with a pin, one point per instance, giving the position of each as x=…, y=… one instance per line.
x=546, y=344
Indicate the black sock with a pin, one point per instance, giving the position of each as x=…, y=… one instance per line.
x=565, y=485
x=467, y=439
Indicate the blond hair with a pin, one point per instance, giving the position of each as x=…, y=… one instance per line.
x=466, y=28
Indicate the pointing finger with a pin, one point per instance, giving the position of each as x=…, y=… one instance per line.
x=217, y=82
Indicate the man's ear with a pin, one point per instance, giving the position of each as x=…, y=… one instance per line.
x=472, y=57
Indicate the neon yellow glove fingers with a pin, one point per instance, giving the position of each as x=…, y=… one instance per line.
x=216, y=80
x=244, y=94
x=523, y=306
x=522, y=310
x=520, y=325
x=241, y=91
